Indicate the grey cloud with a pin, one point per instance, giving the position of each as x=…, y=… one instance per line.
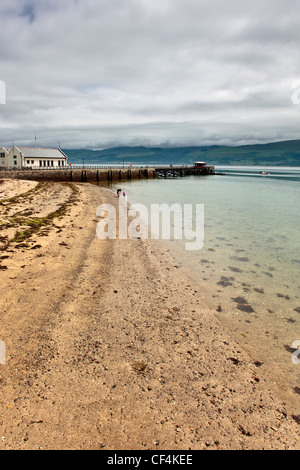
x=152, y=71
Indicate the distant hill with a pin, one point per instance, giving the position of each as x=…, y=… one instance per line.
x=285, y=153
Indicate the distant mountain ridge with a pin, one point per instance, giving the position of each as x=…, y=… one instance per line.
x=285, y=153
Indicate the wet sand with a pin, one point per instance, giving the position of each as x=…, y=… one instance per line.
x=108, y=346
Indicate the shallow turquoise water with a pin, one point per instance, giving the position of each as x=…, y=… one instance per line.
x=248, y=269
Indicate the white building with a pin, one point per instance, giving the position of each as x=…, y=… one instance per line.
x=3, y=156
x=32, y=157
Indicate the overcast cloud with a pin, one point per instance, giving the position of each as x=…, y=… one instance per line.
x=99, y=73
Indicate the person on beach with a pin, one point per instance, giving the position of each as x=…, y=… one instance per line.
x=118, y=192
x=123, y=193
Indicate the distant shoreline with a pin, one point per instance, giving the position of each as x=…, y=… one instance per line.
x=282, y=153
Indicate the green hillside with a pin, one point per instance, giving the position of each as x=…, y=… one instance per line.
x=285, y=153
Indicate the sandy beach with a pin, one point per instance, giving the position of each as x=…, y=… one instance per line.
x=109, y=347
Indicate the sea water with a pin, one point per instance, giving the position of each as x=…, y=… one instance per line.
x=248, y=269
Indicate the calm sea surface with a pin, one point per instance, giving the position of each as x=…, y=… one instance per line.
x=248, y=271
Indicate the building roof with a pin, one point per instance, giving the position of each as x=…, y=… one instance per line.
x=35, y=152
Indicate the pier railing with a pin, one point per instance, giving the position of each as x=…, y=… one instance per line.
x=76, y=166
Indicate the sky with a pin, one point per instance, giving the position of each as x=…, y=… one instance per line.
x=103, y=73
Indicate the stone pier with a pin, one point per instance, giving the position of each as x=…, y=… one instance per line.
x=81, y=175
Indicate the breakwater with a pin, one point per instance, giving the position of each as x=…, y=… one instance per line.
x=80, y=175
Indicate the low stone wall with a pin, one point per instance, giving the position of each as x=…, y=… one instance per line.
x=80, y=176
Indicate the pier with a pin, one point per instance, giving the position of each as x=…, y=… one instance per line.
x=100, y=173
x=183, y=170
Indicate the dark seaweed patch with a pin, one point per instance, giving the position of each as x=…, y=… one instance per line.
x=259, y=291
x=245, y=308
x=239, y=300
x=244, y=259
x=268, y=274
x=225, y=281
x=242, y=304
x=234, y=269
x=296, y=418
x=281, y=296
